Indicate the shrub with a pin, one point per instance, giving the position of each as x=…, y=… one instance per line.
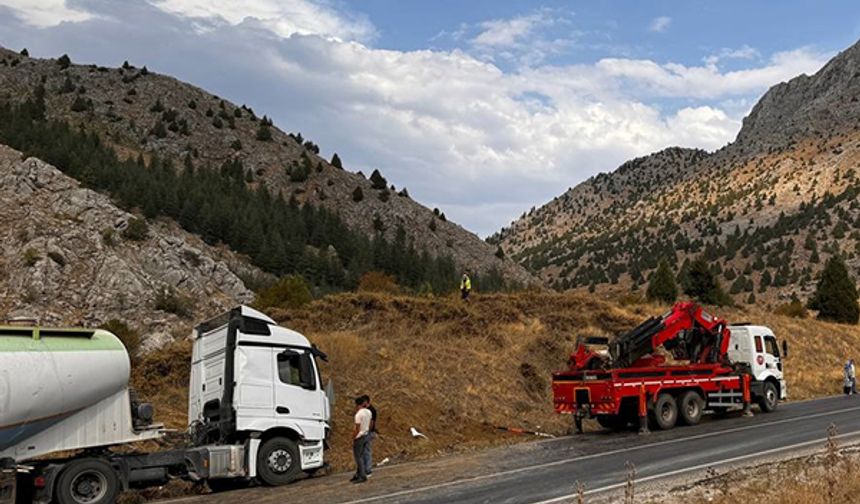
x=81, y=104
x=289, y=292
x=109, y=237
x=500, y=252
x=793, y=309
x=335, y=161
x=157, y=106
x=129, y=337
x=31, y=257
x=835, y=297
x=236, y=145
x=137, y=230
x=376, y=281
x=168, y=300
x=357, y=195
x=264, y=133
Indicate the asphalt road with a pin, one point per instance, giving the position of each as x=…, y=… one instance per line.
x=548, y=471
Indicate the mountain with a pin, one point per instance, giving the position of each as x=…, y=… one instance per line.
x=766, y=210
x=68, y=257
x=138, y=112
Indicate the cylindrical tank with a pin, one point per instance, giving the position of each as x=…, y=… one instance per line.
x=48, y=374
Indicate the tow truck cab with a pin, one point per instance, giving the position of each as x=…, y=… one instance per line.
x=757, y=346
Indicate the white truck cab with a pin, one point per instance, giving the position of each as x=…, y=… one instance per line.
x=257, y=386
x=757, y=346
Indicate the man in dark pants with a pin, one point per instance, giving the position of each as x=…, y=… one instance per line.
x=360, y=431
x=370, y=438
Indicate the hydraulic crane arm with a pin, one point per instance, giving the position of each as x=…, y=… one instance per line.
x=686, y=329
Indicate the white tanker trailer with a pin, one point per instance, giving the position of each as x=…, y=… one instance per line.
x=257, y=412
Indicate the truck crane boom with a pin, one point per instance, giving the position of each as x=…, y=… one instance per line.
x=687, y=330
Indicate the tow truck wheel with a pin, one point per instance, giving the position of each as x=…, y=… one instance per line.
x=665, y=412
x=691, y=407
x=278, y=461
x=87, y=481
x=769, y=399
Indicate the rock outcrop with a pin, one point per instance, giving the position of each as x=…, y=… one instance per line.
x=64, y=259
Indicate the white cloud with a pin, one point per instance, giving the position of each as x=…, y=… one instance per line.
x=526, y=39
x=282, y=17
x=744, y=52
x=660, y=24
x=463, y=133
x=45, y=13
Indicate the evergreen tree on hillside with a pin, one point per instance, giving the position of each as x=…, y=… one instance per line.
x=662, y=286
x=703, y=285
x=335, y=161
x=378, y=181
x=835, y=297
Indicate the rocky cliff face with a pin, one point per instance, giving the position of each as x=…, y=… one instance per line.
x=64, y=259
x=142, y=112
x=766, y=211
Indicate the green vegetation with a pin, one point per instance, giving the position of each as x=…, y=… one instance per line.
x=701, y=284
x=291, y=291
x=662, y=285
x=835, y=297
x=137, y=230
x=169, y=300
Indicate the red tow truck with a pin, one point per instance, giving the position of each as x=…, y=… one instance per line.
x=670, y=369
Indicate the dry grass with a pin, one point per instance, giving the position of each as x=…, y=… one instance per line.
x=455, y=370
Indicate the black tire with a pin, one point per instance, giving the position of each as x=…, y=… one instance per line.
x=87, y=481
x=769, y=398
x=227, y=484
x=720, y=411
x=278, y=461
x=665, y=413
x=612, y=422
x=691, y=407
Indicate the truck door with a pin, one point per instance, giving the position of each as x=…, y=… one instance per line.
x=297, y=390
x=773, y=361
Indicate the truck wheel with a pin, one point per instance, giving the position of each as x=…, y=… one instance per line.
x=769, y=399
x=691, y=407
x=665, y=413
x=88, y=481
x=278, y=461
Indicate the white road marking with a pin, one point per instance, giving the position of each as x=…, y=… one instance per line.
x=545, y=465
x=698, y=467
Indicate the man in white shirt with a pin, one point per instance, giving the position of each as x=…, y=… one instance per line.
x=359, y=438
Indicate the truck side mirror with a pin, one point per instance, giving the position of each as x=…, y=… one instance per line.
x=784, y=348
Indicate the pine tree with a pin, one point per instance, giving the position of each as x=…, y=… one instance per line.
x=335, y=161
x=64, y=61
x=835, y=297
x=357, y=195
x=378, y=181
x=662, y=285
x=703, y=285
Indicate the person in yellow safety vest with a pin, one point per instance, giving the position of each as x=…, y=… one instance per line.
x=465, y=287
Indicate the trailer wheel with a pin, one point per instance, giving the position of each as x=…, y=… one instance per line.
x=769, y=399
x=691, y=407
x=278, y=461
x=665, y=412
x=88, y=481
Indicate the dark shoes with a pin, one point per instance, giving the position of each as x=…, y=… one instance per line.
x=358, y=480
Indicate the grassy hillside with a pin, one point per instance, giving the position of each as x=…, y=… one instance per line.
x=454, y=370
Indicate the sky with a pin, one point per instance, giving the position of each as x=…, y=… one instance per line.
x=482, y=108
